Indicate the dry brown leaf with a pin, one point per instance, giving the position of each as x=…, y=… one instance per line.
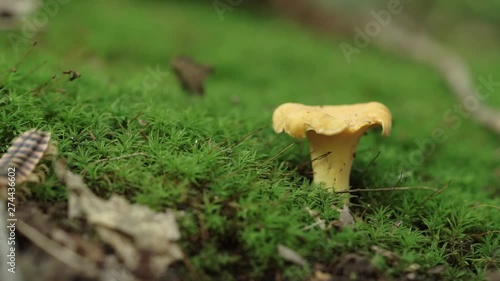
x=142, y=238
x=291, y=256
x=190, y=74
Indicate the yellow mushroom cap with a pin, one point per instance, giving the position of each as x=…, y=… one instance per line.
x=296, y=119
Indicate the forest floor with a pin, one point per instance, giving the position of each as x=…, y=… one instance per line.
x=128, y=128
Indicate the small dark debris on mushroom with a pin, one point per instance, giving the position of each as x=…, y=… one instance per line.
x=191, y=74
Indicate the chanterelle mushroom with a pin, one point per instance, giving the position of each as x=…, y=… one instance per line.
x=333, y=133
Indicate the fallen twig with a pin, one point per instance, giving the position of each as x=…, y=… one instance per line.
x=388, y=189
x=26, y=55
x=41, y=87
x=246, y=136
x=322, y=156
x=439, y=191
x=369, y=164
x=279, y=153
x=454, y=70
x=400, y=178
x=135, y=117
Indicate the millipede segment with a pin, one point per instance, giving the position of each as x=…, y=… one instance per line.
x=24, y=154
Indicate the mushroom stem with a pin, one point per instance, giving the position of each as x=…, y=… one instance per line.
x=332, y=158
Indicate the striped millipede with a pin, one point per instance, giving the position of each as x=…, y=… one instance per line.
x=23, y=155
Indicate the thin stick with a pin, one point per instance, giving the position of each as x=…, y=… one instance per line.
x=64, y=255
x=51, y=85
x=452, y=68
x=279, y=153
x=14, y=69
x=434, y=194
x=74, y=75
x=121, y=157
x=25, y=55
x=399, y=180
x=303, y=165
x=246, y=136
x=44, y=84
x=321, y=156
x=388, y=189
x=35, y=69
x=364, y=211
x=369, y=164
x=135, y=118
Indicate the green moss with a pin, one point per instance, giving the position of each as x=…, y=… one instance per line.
x=238, y=205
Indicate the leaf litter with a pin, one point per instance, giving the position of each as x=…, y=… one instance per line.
x=142, y=242
x=142, y=238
